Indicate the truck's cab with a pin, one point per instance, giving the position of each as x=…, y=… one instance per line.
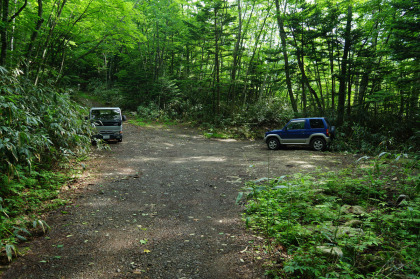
x=108, y=123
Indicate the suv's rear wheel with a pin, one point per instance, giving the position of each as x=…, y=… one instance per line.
x=318, y=144
x=273, y=143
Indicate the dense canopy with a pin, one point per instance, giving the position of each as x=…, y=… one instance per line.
x=239, y=60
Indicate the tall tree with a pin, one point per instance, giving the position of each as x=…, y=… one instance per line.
x=344, y=63
x=280, y=22
x=5, y=25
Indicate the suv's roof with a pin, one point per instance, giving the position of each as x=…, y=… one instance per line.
x=96, y=108
x=302, y=118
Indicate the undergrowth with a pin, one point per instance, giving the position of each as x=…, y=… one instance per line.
x=41, y=130
x=362, y=222
x=25, y=199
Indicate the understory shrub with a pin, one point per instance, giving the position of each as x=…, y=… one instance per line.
x=378, y=134
x=39, y=129
x=362, y=222
x=150, y=112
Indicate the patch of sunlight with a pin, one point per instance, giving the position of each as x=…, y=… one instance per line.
x=303, y=164
x=298, y=162
x=226, y=140
x=201, y=159
x=127, y=171
x=317, y=157
x=226, y=221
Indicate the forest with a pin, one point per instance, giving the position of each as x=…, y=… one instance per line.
x=236, y=66
x=229, y=62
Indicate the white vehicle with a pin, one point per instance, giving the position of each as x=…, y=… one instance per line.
x=108, y=123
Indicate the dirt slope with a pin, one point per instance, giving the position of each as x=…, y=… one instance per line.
x=161, y=204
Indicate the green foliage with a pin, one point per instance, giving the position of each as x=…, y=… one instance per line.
x=250, y=123
x=24, y=200
x=217, y=135
x=40, y=128
x=151, y=112
x=362, y=222
x=100, y=91
x=375, y=135
x=38, y=125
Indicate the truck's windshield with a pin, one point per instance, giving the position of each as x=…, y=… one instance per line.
x=106, y=115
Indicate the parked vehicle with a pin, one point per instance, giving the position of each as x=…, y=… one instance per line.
x=108, y=123
x=315, y=132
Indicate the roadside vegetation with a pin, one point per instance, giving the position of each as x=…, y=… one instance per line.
x=360, y=222
x=42, y=133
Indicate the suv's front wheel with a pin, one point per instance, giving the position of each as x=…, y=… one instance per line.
x=318, y=144
x=273, y=143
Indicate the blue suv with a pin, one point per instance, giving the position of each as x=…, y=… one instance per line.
x=315, y=132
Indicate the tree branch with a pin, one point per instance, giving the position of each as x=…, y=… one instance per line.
x=18, y=12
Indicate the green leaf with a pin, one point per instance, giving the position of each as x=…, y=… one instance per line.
x=239, y=197
x=143, y=241
x=9, y=251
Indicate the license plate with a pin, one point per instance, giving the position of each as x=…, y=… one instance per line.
x=106, y=136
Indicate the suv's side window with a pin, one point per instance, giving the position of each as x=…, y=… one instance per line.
x=297, y=125
x=316, y=123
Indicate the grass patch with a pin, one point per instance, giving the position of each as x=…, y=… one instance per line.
x=85, y=95
x=22, y=202
x=362, y=222
x=217, y=135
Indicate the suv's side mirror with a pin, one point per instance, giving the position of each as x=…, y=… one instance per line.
x=124, y=118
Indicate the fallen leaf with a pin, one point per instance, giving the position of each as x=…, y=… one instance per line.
x=146, y=251
x=243, y=251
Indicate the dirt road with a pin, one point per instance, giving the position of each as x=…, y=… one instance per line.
x=161, y=204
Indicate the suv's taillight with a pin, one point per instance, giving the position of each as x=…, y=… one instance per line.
x=328, y=133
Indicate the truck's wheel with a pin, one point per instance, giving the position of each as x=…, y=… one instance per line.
x=318, y=144
x=273, y=143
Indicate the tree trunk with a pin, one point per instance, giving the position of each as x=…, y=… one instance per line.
x=4, y=5
x=305, y=78
x=331, y=58
x=343, y=75
x=33, y=38
x=280, y=23
x=3, y=32
x=216, y=64
x=50, y=33
x=236, y=55
x=254, y=51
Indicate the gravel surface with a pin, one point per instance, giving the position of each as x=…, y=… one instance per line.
x=161, y=204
